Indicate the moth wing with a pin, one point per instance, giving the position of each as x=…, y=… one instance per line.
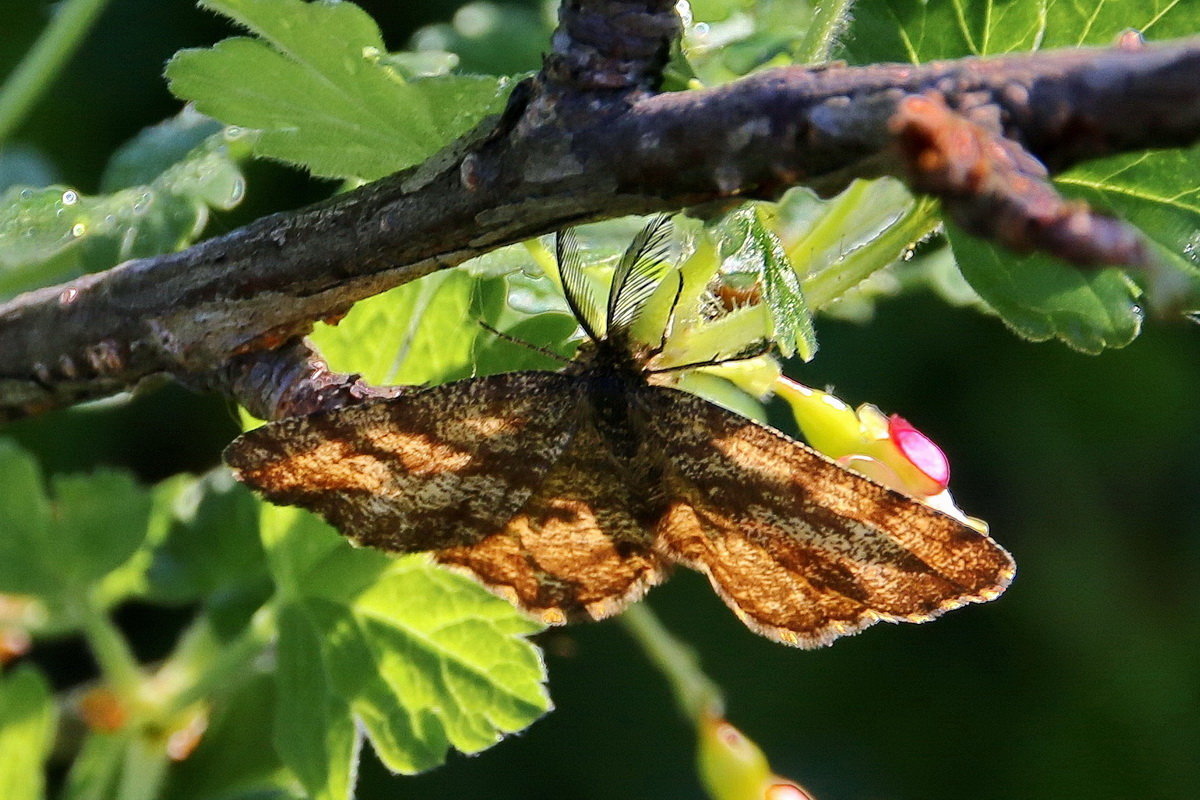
x=440, y=467
x=579, y=548
x=800, y=548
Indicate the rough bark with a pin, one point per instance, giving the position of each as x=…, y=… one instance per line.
x=590, y=139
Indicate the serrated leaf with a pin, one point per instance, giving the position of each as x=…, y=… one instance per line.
x=792, y=322
x=1040, y=298
x=27, y=722
x=422, y=658
x=56, y=546
x=56, y=233
x=919, y=31
x=316, y=86
x=1160, y=193
x=1155, y=191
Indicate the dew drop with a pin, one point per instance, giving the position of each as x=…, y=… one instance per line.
x=70, y=197
x=237, y=191
x=26, y=194
x=78, y=229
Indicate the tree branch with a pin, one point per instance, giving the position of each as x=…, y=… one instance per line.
x=974, y=132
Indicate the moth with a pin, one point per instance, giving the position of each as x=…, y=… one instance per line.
x=571, y=493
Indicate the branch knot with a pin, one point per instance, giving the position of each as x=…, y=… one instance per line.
x=612, y=44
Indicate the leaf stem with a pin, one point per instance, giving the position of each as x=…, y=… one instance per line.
x=224, y=670
x=143, y=771
x=697, y=695
x=111, y=651
x=829, y=284
x=37, y=70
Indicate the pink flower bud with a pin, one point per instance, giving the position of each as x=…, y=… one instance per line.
x=920, y=450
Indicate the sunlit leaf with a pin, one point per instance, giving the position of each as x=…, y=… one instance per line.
x=752, y=247
x=918, y=31
x=317, y=87
x=1039, y=297
x=429, y=331
x=423, y=659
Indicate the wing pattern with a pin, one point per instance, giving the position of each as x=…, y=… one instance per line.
x=802, y=550
x=580, y=548
x=440, y=467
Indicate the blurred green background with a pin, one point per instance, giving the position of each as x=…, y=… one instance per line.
x=1081, y=681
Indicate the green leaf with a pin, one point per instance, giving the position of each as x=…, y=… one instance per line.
x=1156, y=191
x=96, y=770
x=316, y=86
x=725, y=41
x=24, y=165
x=158, y=148
x=422, y=658
x=315, y=732
x=1041, y=298
x=429, y=331
x=836, y=244
x=781, y=291
x=918, y=30
x=491, y=38
x=56, y=233
x=55, y=548
x=27, y=722
x=24, y=524
x=100, y=520
x=1160, y=193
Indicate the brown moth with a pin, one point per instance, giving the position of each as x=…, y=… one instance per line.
x=571, y=493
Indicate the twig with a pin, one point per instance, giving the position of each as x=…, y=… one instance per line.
x=562, y=156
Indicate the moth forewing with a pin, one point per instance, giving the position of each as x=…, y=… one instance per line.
x=439, y=467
